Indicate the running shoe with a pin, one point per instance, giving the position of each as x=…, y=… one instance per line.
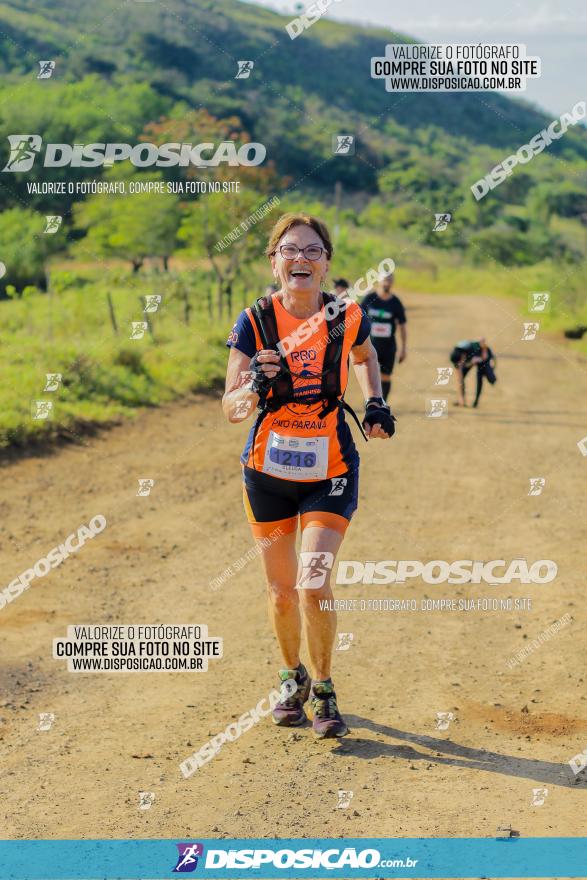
x=328, y=721
x=289, y=712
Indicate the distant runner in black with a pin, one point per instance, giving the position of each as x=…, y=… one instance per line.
x=341, y=286
x=386, y=312
x=467, y=354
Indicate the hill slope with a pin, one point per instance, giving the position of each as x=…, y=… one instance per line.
x=137, y=70
x=188, y=50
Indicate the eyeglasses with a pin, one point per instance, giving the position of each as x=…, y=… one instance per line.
x=311, y=252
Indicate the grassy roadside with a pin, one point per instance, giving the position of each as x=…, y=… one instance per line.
x=424, y=269
x=107, y=376
x=568, y=301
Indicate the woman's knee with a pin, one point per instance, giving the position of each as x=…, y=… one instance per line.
x=283, y=597
x=312, y=599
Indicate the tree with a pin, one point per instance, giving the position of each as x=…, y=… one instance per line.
x=24, y=248
x=511, y=247
x=230, y=240
x=214, y=216
x=89, y=111
x=131, y=226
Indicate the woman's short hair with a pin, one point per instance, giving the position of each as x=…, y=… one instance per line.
x=288, y=221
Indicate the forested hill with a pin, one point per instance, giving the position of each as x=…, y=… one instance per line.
x=166, y=71
x=187, y=50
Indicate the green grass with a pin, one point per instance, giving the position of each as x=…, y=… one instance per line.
x=568, y=302
x=105, y=376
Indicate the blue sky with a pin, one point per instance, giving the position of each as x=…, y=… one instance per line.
x=557, y=32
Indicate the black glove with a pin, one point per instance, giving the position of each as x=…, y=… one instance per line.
x=261, y=381
x=377, y=412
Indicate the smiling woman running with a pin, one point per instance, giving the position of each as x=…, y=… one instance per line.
x=289, y=358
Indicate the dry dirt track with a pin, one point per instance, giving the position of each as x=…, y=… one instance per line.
x=441, y=489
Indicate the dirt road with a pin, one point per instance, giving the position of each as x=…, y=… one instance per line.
x=447, y=489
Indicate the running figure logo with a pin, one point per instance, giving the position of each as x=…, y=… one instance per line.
x=146, y=799
x=23, y=151
x=244, y=69
x=344, y=799
x=343, y=144
x=47, y=68
x=539, y=302
x=245, y=378
x=443, y=375
x=537, y=484
x=138, y=329
x=441, y=222
x=145, y=487
x=443, y=720
x=189, y=853
x=530, y=330
x=53, y=223
x=41, y=409
x=539, y=795
x=242, y=408
x=314, y=569
x=338, y=485
x=53, y=381
x=345, y=641
x=437, y=408
x=46, y=720
x=152, y=302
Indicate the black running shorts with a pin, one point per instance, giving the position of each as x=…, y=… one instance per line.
x=270, y=501
x=386, y=350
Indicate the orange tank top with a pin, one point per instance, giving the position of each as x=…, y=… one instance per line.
x=295, y=443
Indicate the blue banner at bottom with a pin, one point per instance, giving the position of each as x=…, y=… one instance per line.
x=373, y=857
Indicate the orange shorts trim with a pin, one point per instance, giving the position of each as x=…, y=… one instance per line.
x=322, y=519
x=265, y=529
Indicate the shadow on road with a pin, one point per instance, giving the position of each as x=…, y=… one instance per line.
x=454, y=755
